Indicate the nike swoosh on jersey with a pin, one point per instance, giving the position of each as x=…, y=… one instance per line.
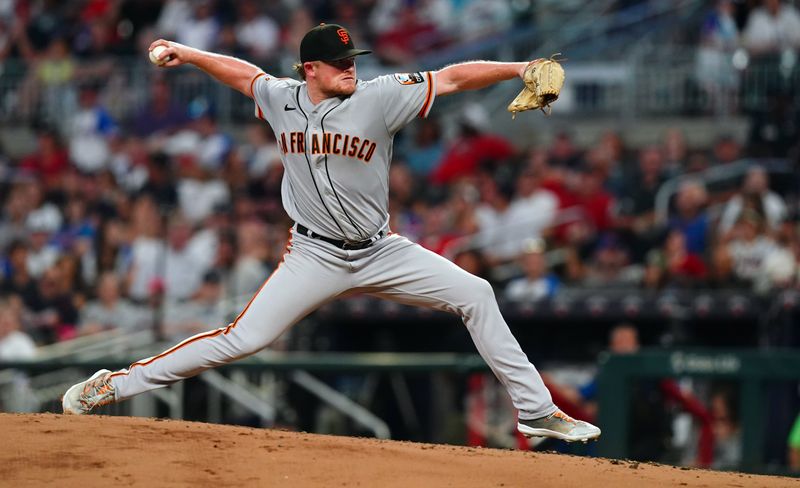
x=287, y=107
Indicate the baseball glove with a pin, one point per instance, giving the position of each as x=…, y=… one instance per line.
x=543, y=81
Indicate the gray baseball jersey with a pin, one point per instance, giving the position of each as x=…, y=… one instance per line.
x=336, y=156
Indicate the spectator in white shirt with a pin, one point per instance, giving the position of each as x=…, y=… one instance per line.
x=742, y=260
x=256, y=32
x=772, y=28
x=14, y=344
x=538, y=282
x=200, y=31
x=111, y=311
x=755, y=192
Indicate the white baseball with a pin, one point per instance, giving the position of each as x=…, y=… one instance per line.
x=155, y=54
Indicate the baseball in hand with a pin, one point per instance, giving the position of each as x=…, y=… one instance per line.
x=155, y=55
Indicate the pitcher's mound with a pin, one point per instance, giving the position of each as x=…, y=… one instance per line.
x=40, y=450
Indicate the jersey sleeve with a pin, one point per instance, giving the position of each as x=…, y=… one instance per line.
x=405, y=96
x=266, y=89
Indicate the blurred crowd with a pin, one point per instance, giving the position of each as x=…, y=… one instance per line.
x=397, y=30
x=186, y=219
x=763, y=37
x=166, y=217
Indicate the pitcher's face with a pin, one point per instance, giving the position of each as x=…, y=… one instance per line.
x=336, y=78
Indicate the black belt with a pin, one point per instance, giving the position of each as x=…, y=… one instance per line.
x=346, y=245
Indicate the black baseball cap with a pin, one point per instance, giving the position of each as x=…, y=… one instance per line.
x=328, y=42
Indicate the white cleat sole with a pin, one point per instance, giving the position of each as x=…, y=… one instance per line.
x=531, y=432
x=74, y=391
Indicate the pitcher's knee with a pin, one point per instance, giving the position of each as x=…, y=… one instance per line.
x=477, y=290
x=243, y=342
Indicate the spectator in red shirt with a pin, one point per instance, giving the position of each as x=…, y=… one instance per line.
x=473, y=147
x=50, y=161
x=583, y=190
x=674, y=264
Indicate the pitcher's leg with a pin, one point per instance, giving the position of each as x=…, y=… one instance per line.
x=415, y=276
x=295, y=289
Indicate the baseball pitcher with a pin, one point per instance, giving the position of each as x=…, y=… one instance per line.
x=335, y=133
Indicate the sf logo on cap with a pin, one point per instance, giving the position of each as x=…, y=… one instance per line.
x=343, y=35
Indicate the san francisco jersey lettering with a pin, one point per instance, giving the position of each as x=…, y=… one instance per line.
x=328, y=143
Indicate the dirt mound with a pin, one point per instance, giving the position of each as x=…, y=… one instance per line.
x=38, y=450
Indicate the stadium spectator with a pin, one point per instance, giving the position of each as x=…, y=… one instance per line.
x=259, y=151
x=494, y=218
x=17, y=280
x=473, y=261
x=161, y=114
x=741, y=260
x=673, y=266
x=533, y=209
x=594, y=201
x=211, y=145
x=188, y=255
x=42, y=253
x=473, y=147
x=49, y=161
x=425, y=149
x=147, y=249
x=754, y=195
x=111, y=311
x=719, y=38
x=173, y=16
x=564, y=152
x=538, y=282
x=202, y=311
x=200, y=29
x=402, y=194
x=53, y=315
x=227, y=43
x=252, y=260
x=636, y=202
x=15, y=345
x=15, y=211
x=256, y=31
x=48, y=88
x=674, y=152
x=726, y=149
x=437, y=233
x=691, y=217
x=160, y=183
x=90, y=128
x=480, y=18
x=727, y=433
x=128, y=162
x=71, y=278
x=200, y=189
x=772, y=28
x=114, y=247
x=608, y=267
x=409, y=35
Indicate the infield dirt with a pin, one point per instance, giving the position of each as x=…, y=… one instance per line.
x=65, y=451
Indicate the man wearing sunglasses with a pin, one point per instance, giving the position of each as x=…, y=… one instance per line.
x=335, y=133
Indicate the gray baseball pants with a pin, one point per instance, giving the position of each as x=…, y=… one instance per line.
x=313, y=273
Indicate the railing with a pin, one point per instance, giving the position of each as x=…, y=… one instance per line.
x=726, y=172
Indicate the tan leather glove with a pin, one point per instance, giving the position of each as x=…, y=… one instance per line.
x=543, y=81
